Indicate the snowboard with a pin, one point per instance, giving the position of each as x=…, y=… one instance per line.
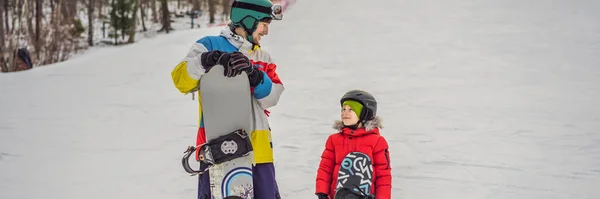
x=355, y=177
x=227, y=154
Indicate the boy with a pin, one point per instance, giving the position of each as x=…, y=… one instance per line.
x=358, y=130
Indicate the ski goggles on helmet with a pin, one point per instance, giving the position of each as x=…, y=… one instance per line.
x=275, y=11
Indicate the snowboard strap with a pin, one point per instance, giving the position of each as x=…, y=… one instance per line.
x=185, y=162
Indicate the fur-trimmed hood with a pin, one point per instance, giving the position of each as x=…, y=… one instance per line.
x=369, y=125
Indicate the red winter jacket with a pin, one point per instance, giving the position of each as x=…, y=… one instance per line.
x=366, y=140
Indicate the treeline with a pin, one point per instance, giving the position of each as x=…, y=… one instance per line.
x=53, y=30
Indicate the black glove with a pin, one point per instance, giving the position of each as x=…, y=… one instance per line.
x=236, y=62
x=322, y=196
x=211, y=58
x=255, y=77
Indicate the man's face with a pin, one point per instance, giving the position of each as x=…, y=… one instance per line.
x=261, y=30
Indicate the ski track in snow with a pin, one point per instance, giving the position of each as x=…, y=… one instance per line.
x=479, y=99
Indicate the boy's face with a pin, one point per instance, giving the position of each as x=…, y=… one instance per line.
x=261, y=30
x=349, y=117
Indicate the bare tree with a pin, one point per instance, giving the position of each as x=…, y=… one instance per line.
x=29, y=13
x=143, y=6
x=53, y=48
x=90, y=9
x=18, y=6
x=166, y=19
x=134, y=22
x=226, y=9
x=58, y=30
x=100, y=4
x=68, y=10
x=154, y=12
x=6, y=11
x=20, y=21
x=113, y=3
x=196, y=5
x=3, y=61
x=38, y=25
x=212, y=10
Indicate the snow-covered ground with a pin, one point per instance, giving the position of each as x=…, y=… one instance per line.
x=480, y=99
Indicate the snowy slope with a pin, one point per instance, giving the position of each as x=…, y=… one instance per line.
x=479, y=100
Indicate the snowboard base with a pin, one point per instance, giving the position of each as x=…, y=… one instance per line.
x=226, y=108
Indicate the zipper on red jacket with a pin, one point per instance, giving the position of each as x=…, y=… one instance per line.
x=352, y=141
x=387, y=157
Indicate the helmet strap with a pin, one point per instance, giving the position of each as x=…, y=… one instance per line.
x=249, y=30
x=353, y=127
x=361, y=120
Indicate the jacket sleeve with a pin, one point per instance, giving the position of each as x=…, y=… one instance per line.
x=326, y=167
x=268, y=92
x=383, y=169
x=187, y=73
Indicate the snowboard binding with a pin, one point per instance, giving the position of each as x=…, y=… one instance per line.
x=216, y=151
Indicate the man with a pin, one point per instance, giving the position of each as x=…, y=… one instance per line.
x=238, y=49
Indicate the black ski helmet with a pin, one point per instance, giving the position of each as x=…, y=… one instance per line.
x=366, y=99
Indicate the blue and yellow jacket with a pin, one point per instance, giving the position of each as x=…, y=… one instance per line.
x=187, y=73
